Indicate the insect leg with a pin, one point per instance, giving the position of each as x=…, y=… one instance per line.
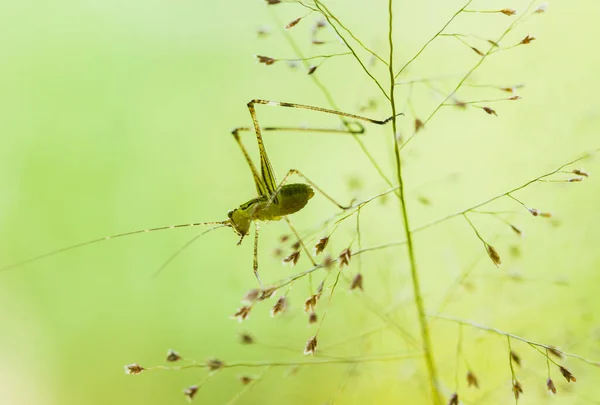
x=261, y=188
x=317, y=188
x=267, y=170
x=105, y=238
x=318, y=109
x=268, y=175
x=358, y=131
x=255, y=265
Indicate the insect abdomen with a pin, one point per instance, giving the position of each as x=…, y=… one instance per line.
x=293, y=197
x=290, y=199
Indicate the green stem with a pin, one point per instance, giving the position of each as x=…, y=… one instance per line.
x=418, y=297
x=333, y=105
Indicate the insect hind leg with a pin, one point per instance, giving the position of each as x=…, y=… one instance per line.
x=311, y=183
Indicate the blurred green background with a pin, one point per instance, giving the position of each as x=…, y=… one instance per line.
x=116, y=116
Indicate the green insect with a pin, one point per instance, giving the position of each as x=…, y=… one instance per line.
x=274, y=201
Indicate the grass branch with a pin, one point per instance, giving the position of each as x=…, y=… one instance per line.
x=432, y=38
x=330, y=19
x=291, y=363
x=500, y=332
x=332, y=103
x=414, y=273
x=470, y=72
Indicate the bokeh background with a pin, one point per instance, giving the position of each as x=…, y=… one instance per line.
x=116, y=116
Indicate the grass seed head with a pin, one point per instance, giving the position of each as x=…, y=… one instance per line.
x=472, y=380
x=272, y=2
x=357, y=282
x=321, y=245
x=311, y=345
x=567, y=374
x=418, y=125
x=517, y=389
x=508, y=11
x=460, y=104
x=245, y=380
x=516, y=230
x=265, y=59
x=293, y=258
x=133, y=369
x=581, y=172
x=477, y=51
x=312, y=318
x=515, y=358
x=453, y=399
x=490, y=111
x=528, y=39
x=293, y=23
x=344, y=257
x=173, y=356
x=493, y=254
x=555, y=352
x=251, y=296
x=542, y=8
x=242, y=313
x=246, y=339
x=214, y=364
x=310, y=303
x=575, y=179
x=550, y=385
x=280, y=306
x=190, y=392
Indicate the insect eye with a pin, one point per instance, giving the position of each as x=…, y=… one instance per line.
x=230, y=214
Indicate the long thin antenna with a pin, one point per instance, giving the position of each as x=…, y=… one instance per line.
x=90, y=242
x=184, y=247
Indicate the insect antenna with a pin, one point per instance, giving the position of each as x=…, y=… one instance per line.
x=185, y=246
x=120, y=235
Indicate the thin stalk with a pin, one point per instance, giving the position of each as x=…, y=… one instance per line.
x=333, y=104
x=418, y=297
x=328, y=16
x=433, y=38
x=285, y=363
x=470, y=72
